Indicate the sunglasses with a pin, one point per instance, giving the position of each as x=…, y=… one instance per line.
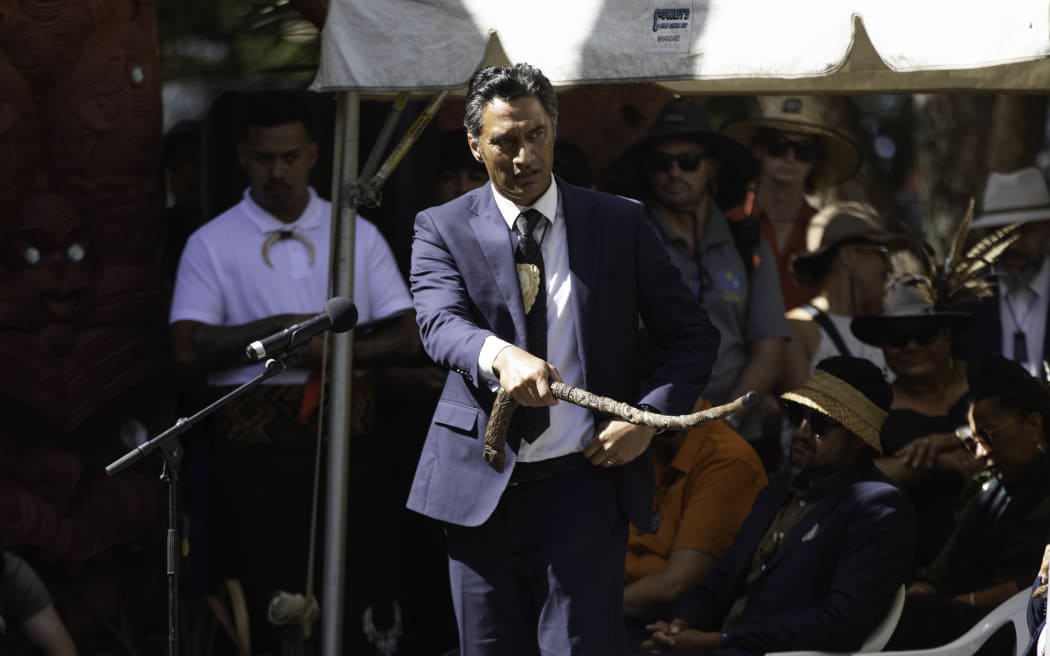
x=818, y=423
x=882, y=251
x=805, y=151
x=922, y=336
x=688, y=162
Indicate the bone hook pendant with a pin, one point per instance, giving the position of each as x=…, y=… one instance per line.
x=287, y=234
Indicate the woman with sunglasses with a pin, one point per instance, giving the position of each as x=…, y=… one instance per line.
x=848, y=261
x=798, y=154
x=930, y=400
x=1003, y=514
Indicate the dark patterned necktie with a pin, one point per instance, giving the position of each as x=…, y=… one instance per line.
x=527, y=423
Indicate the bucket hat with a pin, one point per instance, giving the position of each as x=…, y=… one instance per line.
x=838, y=224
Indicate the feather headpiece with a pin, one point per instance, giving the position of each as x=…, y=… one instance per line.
x=963, y=277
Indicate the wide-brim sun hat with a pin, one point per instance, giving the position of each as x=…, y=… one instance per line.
x=838, y=224
x=1016, y=197
x=850, y=390
x=684, y=119
x=804, y=115
x=907, y=297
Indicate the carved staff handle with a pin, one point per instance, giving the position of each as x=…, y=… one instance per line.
x=503, y=408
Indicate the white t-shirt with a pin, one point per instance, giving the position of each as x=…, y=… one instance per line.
x=826, y=348
x=224, y=281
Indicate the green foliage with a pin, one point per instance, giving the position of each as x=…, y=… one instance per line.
x=236, y=39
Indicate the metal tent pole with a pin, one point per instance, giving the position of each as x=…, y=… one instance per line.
x=348, y=114
x=347, y=194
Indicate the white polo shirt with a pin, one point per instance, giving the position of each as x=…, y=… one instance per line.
x=223, y=279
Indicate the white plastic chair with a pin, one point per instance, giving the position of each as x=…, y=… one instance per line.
x=878, y=638
x=1012, y=611
x=1040, y=642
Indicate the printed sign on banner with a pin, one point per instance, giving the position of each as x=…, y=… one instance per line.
x=671, y=27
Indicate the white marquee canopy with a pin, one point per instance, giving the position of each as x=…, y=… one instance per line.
x=713, y=46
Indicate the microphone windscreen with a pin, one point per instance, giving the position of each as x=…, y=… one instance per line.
x=342, y=313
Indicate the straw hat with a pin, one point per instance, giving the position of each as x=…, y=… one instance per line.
x=1015, y=197
x=852, y=391
x=837, y=224
x=907, y=297
x=802, y=114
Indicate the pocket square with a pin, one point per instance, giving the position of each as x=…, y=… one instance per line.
x=812, y=533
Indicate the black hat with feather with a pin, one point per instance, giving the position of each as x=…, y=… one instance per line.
x=939, y=290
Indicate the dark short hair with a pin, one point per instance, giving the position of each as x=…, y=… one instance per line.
x=571, y=164
x=183, y=133
x=267, y=109
x=507, y=82
x=1007, y=381
x=454, y=153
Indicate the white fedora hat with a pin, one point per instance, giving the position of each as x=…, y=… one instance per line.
x=1016, y=197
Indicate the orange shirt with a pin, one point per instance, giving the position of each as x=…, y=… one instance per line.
x=702, y=498
x=794, y=292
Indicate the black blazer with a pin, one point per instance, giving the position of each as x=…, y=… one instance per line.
x=985, y=336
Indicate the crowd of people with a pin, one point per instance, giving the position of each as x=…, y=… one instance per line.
x=900, y=440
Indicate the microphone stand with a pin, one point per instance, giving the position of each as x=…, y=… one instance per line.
x=171, y=449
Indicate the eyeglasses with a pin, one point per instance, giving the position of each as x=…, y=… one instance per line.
x=965, y=435
x=688, y=162
x=805, y=151
x=986, y=436
x=922, y=336
x=819, y=423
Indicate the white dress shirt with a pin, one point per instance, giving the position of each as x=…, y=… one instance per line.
x=571, y=427
x=1025, y=309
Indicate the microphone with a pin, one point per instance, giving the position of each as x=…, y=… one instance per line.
x=339, y=316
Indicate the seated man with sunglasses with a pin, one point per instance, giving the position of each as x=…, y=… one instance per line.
x=797, y=154
x=682, y=158
x=818, y=561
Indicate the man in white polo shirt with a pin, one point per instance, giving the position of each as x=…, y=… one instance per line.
x=257, y=268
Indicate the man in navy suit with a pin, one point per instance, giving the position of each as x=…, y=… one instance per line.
x=516, y=284
x=818, y=562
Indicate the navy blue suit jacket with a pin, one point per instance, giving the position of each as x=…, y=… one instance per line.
x=465, y=288
x=830, y=582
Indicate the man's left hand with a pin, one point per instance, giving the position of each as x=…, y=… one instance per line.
x=618, y=442
x=678, y=636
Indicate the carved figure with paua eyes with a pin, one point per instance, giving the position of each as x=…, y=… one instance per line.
x=47, y=260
